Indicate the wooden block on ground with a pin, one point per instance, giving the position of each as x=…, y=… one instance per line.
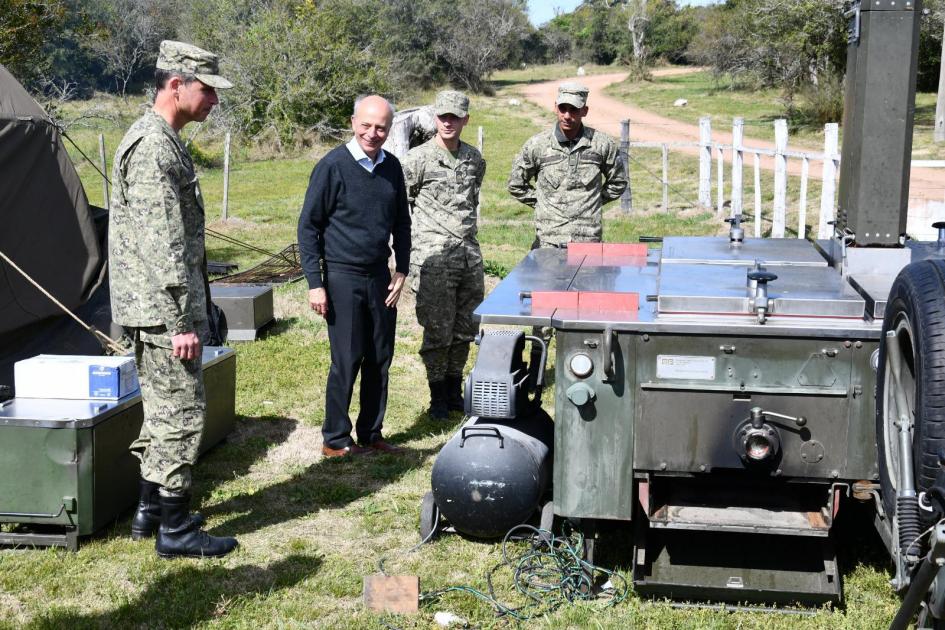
x=392, y=593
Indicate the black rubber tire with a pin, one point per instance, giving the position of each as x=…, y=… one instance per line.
x=429, y=518
x=915, y=309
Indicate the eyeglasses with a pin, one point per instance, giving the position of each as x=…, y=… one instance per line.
x=564, y=108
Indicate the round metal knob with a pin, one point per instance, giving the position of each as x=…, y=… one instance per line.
x=940, y=226
x=762, y=276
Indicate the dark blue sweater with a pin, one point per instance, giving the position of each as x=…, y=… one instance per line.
x=350, y=214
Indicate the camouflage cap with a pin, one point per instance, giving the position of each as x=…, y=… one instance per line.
x=187, y=59
x=572, y=93
x=451, y=102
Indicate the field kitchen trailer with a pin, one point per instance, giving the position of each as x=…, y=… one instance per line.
x=728, y=395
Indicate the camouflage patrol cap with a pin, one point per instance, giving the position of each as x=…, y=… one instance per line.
x=451, y=102
x=572, y=93
x=188, y=59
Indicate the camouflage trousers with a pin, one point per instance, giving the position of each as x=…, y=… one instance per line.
x=174, y=407
x=446, y=299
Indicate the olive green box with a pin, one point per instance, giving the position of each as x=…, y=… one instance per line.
x=65, y=468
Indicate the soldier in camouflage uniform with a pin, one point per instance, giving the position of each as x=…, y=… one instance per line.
x=157, y=275
x=443, y=178
x=567, y=174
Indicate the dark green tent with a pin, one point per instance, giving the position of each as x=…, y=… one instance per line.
x=48, y=229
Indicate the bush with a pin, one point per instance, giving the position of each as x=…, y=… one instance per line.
x=817, y=105
x=296, y=67
x=201, y=157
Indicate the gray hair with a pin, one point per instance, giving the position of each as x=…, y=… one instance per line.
x=361, y=97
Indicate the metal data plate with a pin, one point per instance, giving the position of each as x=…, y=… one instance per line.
x=718, y=250
x=720, y=289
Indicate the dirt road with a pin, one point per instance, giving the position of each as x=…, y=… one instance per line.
x=605, y=113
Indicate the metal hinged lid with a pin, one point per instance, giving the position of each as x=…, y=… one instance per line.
x=720, y=289
x=718, y=250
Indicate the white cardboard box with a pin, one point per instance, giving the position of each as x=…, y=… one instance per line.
x=75, y=377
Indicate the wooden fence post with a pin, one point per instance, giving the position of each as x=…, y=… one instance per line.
x=226, y=176
x=802, y=202
x=720, y=186
x=705, y=162
x=757, y=195
x=828, y=190
x=780, y=178
x=738, y=131
x=665, y=177
x=480, y=138
x=106, y=202
x=626, y=199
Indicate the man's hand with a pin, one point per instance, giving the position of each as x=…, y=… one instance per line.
x=186, y=346
x=318, y=300
x=395, y=287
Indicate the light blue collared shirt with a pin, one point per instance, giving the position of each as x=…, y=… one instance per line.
x=358, y=154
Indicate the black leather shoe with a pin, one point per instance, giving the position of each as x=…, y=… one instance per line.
x=147, y=516
x=179, y=537
x=454, y=393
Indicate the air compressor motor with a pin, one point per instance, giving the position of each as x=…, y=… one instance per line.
x=495, y=472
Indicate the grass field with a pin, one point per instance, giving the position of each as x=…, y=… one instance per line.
x=311, y=528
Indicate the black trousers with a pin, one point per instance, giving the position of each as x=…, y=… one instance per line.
x=361, y=335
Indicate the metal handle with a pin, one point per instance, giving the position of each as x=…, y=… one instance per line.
x=608, y=350
x=483, y=431
x=62, y=509
x=540, y=379
x=762, y=276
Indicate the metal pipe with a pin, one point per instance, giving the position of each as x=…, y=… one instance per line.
x=914, y=596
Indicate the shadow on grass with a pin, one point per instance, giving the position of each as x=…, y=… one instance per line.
x=329, y=483
x=190, y=593
x=278, y=327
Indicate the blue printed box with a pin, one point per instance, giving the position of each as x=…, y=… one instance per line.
x=75, y=377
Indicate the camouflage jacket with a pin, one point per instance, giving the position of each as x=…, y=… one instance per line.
x=156, y=231
x=443, y=194
x=567, y=182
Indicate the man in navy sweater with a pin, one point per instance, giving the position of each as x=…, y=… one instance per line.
x=356, y=200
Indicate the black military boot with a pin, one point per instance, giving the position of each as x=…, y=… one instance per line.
x=179, y=537
x=438, y=409
x=454, y=393
x=148, y=514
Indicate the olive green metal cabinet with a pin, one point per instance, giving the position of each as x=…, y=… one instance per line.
x=593, y=466
x=65, y=468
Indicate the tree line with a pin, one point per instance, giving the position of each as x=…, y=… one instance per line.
x=298, y=64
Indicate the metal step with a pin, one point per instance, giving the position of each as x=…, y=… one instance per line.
x=689, y=506
x=734, y=567
x=744, y=519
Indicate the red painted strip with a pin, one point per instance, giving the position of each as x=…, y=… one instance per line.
x=545, y=302
x=585, y=249
x=597, y=301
